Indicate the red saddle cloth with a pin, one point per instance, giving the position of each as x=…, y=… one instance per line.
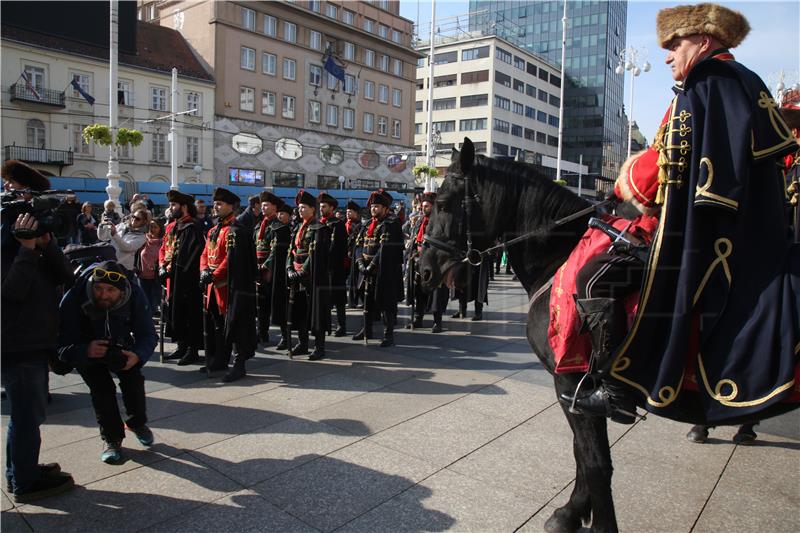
x=572, y=349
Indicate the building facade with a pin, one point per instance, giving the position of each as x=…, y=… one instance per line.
x=485, y=88
x=43, y=114
x=594, y=126
x=281, y=118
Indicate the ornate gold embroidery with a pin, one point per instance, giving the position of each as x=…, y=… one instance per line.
x=722, y=259
x=727, y=399
x=765, y=101
x=703, y=190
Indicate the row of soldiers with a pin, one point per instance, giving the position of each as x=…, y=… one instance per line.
x=284, y=273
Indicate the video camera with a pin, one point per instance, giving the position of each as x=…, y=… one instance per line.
x=43, y=206
x=114, y=359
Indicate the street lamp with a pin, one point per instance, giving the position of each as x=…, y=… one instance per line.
x=629, y=59
x=778, y=81
x=341, y=182
x=197, y=170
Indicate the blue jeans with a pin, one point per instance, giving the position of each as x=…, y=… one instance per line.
x=152, y=288
x=26, y=389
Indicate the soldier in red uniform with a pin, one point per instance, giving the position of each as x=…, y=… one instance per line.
x=179, y=269
x=227, y=274
x=263, y=237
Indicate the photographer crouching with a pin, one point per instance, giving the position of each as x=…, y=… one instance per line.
x=106, y=327
x=33, y=268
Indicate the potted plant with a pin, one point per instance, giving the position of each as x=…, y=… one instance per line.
x=101, y=134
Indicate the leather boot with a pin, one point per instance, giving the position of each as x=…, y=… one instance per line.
x=341, y=318
x=191, y=357
x=301, y=348
x=283, y=344
x=388, y=332
x=604, y=319
x=319, y=348
x=416, y=323
x=478, y=312
x=698, y=434
x=366, y=330
x=462, y=311
x=437, y=323
x=237, y=371
x=179, y=353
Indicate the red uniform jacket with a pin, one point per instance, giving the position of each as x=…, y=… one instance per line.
x=215, y=257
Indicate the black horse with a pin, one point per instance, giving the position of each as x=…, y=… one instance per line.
x=508, y=199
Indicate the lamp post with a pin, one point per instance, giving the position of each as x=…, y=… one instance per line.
x=778, y=81
x=634, y=60
x=341, y=183
x=113, y=188
x=197, y=170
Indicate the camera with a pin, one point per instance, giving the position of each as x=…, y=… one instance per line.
x=114, y=359
x=44, y=207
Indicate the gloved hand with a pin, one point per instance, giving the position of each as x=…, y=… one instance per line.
x=361, y=265
x=372, y=267
x=162, y=272
x=206, y=278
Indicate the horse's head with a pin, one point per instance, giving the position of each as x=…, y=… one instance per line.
x=456, y=217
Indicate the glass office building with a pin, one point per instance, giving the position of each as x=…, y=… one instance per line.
x=594, y=123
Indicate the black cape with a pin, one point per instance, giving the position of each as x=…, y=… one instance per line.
x=336, y=261
x=281, y=236
x=352, y=272
x=312, y=305
x=424, y=302
x=184, y=313
x=721, y=258
x=389, y=258
x=240, y=325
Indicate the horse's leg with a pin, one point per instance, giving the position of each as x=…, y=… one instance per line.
x=591, y=438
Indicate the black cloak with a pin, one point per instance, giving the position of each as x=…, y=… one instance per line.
x=184, y=312
x=281, y=237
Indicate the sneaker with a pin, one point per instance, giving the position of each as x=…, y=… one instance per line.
x=143, y=433
x=46, y=486
x=112, y=453
x=48, y=469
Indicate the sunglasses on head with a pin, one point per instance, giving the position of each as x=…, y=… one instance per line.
x=113, y=277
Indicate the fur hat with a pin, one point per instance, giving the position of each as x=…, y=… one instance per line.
x=179, y=197
x=790, y=108
x=304, y=197
x=726, y=25
x=380, y=197
x=285, y=208
x=266, y=196
x=353, y=206
x=25, y=175
x=224, y=195
x=325, y=198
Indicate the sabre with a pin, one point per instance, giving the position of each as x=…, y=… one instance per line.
x=366, y=309
x=258, y=312
x=161, y=320
x=413, y=286
x=289, y=318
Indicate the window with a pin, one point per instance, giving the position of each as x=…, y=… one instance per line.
x=192, y=150
x=369, y=122
x=158, y=98
x=289, y=69
x=552, y=141
x=193, y=101
x=502, y=55
x=473, y=124
x=383, y=31
x=519, y=86
x=288, y=179
x=332, y=81
x=349, y=84
x=314, y=75
x=502, y=79
x=248, y=19
x=267, y=103
x=124, y=151
x=475, y=53
x=502, y=103
x=348, y=17
x=530, y=90
x=348, y=118
x=247, y=98
x=543, y=95
x=36, y=76
x=36, y=133
x=444, y=81
x=314, y=111
x=530, y=68
x=445, y=58
x=288, y=107
x=418, y=105
x=248, y=61
x=349, y=51
x=418, y=128
x=444, y=126
x=332, y=10
x=269, y=63
x=516, y=130
x=530, y=134
x=79, y=144
x=474, y=100
x=383, y=125
x=530, y=112
x=327, y=182
x=369, y=25
x=384, y=63
x=315, y=40
x=245, y=176
x=555, y=100
x=519, y=63
x=543, y=74
x=518, y=108
x=499, y=149
x=555, y=80
x=552, y=120
x=396, y=36
x=501, y=126
x=383, y=94
x=396, y=129
x=541, y=116
x=397, y=97
x=420, y=84
x=315, y=5
x=541, y=137
x=84, y=81
x=397, y=67
x=369, y=57
x=125, y=92
x=369, y=90
x=440, y=104
x=475, y=76
x=158, y=150
x=333, y=115
x=289, y=32
x=270, y=26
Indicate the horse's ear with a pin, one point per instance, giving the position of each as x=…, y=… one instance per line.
x=454, y=154
x=467, y=157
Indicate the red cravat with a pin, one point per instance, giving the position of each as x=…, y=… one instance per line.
x=300, y=234
x=421, y=232
x=372, y=226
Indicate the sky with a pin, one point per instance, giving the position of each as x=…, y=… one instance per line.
x=772, y=45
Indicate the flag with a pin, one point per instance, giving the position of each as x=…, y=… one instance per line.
x=89, y=98
x=333, y=69
x=30, y=86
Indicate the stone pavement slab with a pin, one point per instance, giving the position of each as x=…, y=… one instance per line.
x=13, y=522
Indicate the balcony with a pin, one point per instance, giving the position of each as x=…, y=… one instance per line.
x=43, y=156
x=21, y=92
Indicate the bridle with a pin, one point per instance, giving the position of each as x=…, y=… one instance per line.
x=475, y=257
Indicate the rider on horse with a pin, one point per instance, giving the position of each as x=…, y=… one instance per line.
x=722, y=282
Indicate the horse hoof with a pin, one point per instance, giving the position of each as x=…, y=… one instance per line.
x=563, y=521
